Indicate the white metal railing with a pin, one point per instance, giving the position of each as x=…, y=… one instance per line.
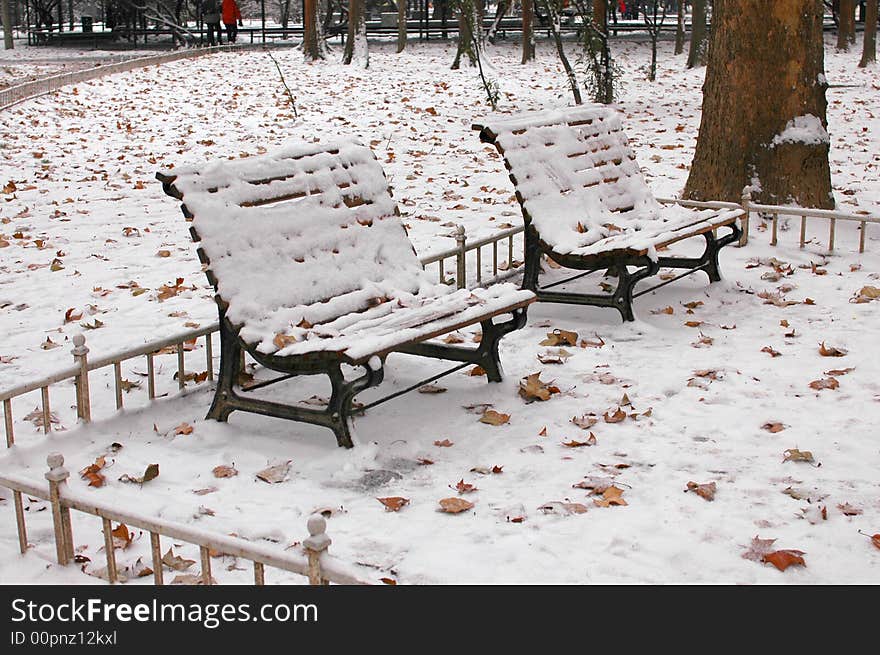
x=316, y=564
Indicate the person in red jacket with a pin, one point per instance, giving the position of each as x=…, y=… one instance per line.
x=231, y=14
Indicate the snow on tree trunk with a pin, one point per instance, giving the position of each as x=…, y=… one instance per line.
x=401, y=25
x=311, y=49
x=356, y=42
x=467, y=20
x=528, y=33
x=869, y=45
x=846, y=27
x=697, y=51
x=763, y=120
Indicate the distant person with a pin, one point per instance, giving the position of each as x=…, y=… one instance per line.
x=231, y=14
x=211, y=15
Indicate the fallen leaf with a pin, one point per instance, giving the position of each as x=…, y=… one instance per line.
x=183, y=428
x=616, y=417
x=610, y=497
x=93, y=474
x=665, y=310
x=224, y=471
x=175, y=562
x=866, y=294
x=477, y=370
x=824, y=383
x=463, y=487
x=492, y=417
x=560, y=338
x=773, y=427
x=533, y=388
x=393, y=503
x=431, y=388
x=840, y=371
x=591, y=441
x=830, y=351
x=848, y=510
x=770, y=351
x=559, y=507
x=584, y=422
x=388, y=581
x=795, y=455
x=446, y=443
x=121, y=536
x=705, y=491
x=275, y=474
x=423, y=461
x=151, y=473
x=758, y=548
x=550, y=357
x=782, y=559
x=455, y=505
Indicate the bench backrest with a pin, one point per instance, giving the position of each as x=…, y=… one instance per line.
x=306, y=224
x=575, y=175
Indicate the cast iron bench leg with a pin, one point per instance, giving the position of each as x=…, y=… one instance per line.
x=230, y=363
x=344, y=391
x=487, y=353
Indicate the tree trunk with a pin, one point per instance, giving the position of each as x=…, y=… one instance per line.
x=401, y=25
x=467, y=16
x=356, y=42
x=310, y=31
x=697, y=51
x=869, y=45
x=528, y=33
x=679, y=29
x=846, y=28
x=553, y=15
x=6, y=15
x=764, y=106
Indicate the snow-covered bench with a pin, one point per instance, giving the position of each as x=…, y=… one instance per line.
x=313, y=269
x=586, y=205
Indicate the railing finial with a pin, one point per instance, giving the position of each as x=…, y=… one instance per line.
x=315, y=544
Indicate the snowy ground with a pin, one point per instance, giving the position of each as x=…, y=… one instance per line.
x=82, y=164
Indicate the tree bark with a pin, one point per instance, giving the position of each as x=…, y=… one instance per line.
x=528, y=33
x=356, y=42
x=697, y=50
x=6, y=15
x=401, y=25
x=765, y=75
x=869, y=45
x=679, y=29
x=467, y=16
x=310, y=31
x=846, y=28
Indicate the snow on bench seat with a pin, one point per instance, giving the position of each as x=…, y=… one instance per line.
x=580, y=185
x=308, y=253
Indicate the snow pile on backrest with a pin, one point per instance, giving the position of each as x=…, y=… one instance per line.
x=807, y=129
x=301, y=235
x=577, y=176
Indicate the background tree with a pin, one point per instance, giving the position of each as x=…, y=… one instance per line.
x=311, y=48
x=679, y=29
x=6, y=15
x=528, y=33
x=356, y=43
x=697, y=51
x=553, y=10
x=764, y=106
x=401, y=25
x=846, y=27
x=468, y=20
x=869, y=45
x=654, y=19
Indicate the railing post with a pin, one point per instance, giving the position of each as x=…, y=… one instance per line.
x=80, y=356
x=315, y=544
x=460, y=271
x=746, y=200
x=57, y=476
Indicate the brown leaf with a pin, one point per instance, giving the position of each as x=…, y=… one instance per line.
x=121, y=536
x=393, y=503
x=610, y=497
x=183, y=428
x=224, y=471
x=830, y=351
x=616, y=417
x=477, y=370
x=866, y=294
x=773, y=427
x=388, y=581
x=463, y=487
x=591, y=441
x=455, y=505
x=176, y=562
x=492, y=417
x=283, y=340
x=424, y=461
x=758, y=548
x=559, y=507
x=795, y=455
x=875, y=539
x=275, y=474
x=840, y=371
x=151, y=473
x=598, y=342
x=770, y=351
x=163, y=253
x=532, y=388
x=848, y=510
x=560, y=338
x=551, y=357
x=782, y=559
x=446, y=443
x=824, y=383
x=705, y=491
x=584, y=422
x=431, y=388
x=694, y=324
x=453, y=337
x=93, y=474
x=665, y=310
